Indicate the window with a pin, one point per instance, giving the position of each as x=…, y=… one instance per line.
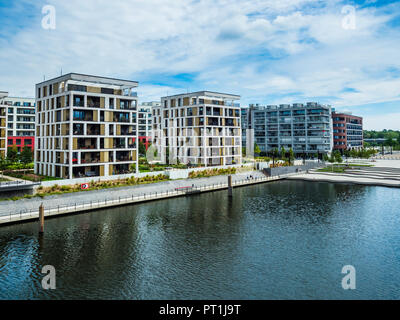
x=75, y=87
x=107, y=90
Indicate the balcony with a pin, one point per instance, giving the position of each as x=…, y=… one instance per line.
x=78, y=129
x=128, y=130
x=123, y=156
x=121, y=117
x=93, y=102
x=212, y=122
x=119, y=143
x=80, y=115
x=127, y=104
x=90, y=157
x=86, y=143
x=93, y=129
x=86, y=171
x=121, y=169
x=78, y=101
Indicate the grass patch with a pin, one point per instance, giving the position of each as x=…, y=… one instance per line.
x=342, y=167
x=94, y=185
x=335, y=169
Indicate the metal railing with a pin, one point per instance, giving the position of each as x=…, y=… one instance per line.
x=16, y=183
x=26, y=214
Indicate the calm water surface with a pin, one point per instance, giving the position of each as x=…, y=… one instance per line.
x=279, y=240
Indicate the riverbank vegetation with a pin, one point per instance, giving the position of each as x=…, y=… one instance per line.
x=27, y=175
x=17, y=160
x=98, y=185
x=341, y=168
x=211, y=173
x=144, y=166
x=93, y=185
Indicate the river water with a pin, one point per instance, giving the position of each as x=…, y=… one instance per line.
x=280, y=240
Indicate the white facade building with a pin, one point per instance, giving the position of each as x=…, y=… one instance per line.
x=199, y=128
x=86, y=126
x=3, y=124
x=304, y=128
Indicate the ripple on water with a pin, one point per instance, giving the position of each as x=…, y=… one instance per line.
x=288, y=239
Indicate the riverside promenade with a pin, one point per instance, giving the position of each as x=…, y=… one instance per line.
x=28, y=209
x=385, y=173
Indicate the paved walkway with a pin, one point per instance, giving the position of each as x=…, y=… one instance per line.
x=23, y=205
x=377, y=176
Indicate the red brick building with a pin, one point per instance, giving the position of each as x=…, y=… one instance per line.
x=347, y=131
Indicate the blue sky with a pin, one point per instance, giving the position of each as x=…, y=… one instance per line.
x=269, y=52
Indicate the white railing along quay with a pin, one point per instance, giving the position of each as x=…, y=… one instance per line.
x=29, y=214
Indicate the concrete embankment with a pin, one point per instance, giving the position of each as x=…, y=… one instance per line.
x=375, y=176
x=28, y=209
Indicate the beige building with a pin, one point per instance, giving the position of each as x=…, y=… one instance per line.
x=86, y=126
x=198, y=128
x=3, y=124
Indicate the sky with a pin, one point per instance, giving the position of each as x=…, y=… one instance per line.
x=342, y=53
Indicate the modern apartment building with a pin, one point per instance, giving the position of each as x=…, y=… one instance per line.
x=145, y=121
x=86, y=126
x=198, y=128
x=306, y=128
x=244, y=115
x=347, y=131
x=3, y=121
x=20, y=122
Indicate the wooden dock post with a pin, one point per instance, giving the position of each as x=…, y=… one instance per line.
x=230, y=186
x=41, y=219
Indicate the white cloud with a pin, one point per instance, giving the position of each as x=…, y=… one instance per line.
x=266, y=51
x=383, y=121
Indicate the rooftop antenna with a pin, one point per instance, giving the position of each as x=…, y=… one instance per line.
x=44, y=78
x=61, y=72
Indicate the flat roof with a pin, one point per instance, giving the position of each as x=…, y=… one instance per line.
x=207, y=93
x=20, y=98
x=3, y=94
x=349, y=114
x=93, y=79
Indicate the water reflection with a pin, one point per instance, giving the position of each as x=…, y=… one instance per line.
x=279, y=240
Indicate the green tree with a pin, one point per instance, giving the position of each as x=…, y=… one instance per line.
x=283, y=153
x=256, y=149
x=12, y=154
x=275, y=154
x=3, y=163
x=337, y=157
x=291, y=154
x=26, y=155
x=142, y=148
